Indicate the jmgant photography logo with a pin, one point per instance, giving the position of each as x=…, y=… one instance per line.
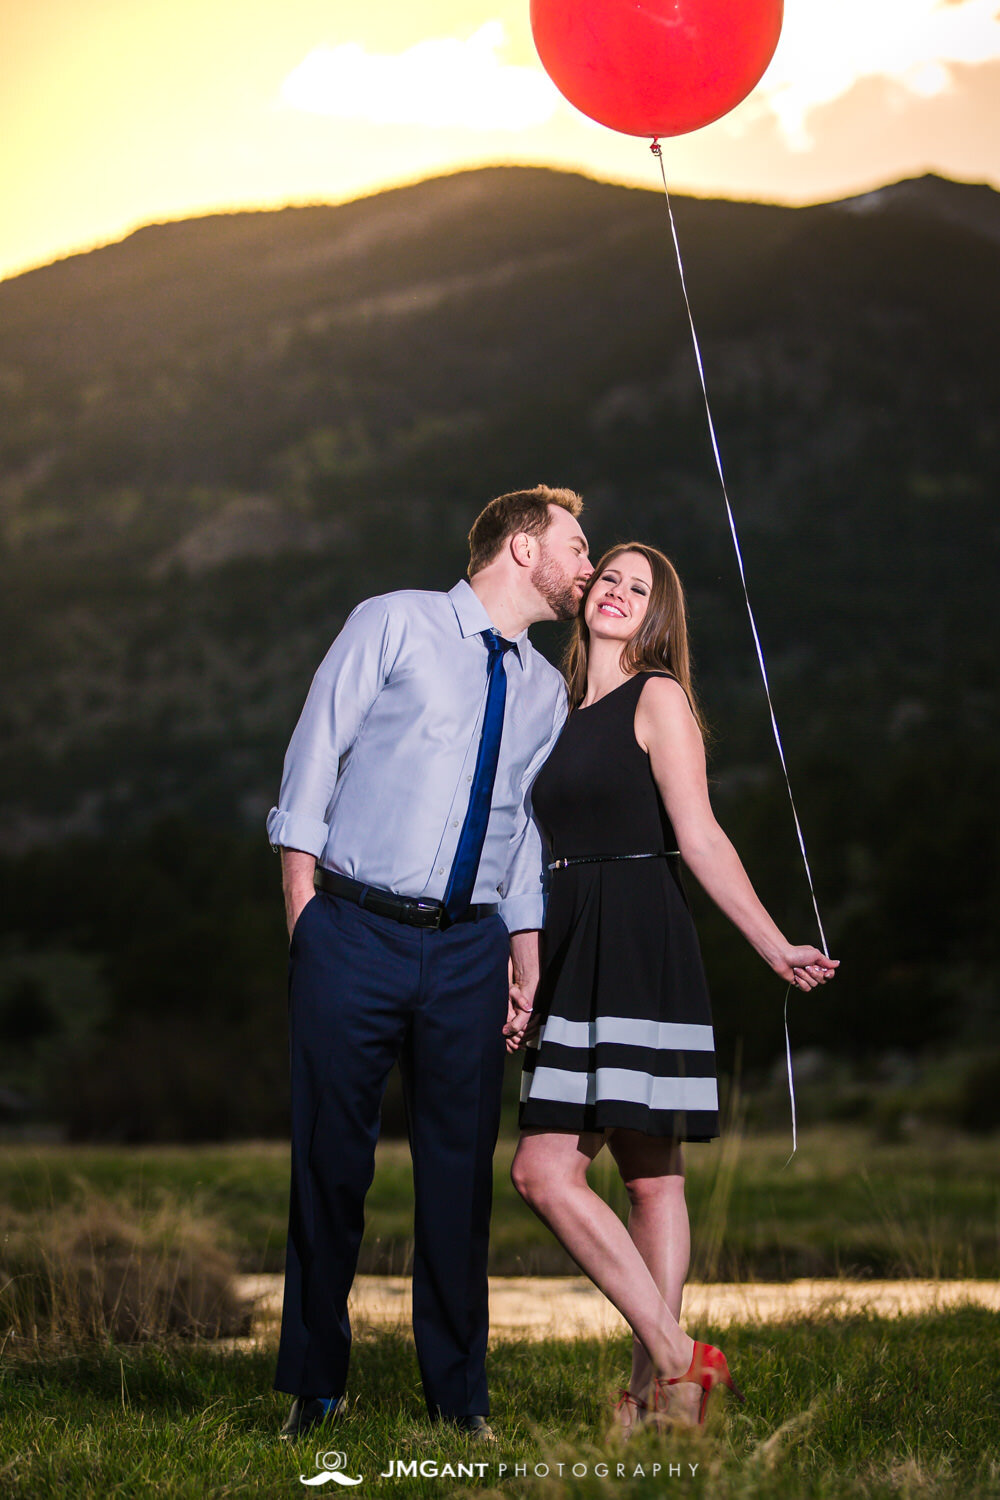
x=331, y=1466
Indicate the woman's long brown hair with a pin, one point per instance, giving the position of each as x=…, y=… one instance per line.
x=659, y=645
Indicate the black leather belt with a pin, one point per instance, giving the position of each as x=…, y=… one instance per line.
x=412, y=910
x=601, y=859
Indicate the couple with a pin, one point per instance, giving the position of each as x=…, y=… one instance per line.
x=431, y=756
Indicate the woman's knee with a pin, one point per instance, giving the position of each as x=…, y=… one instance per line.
x=523, y=1175
x=663, y=1190
x=641, y=1157
x=538, y=1177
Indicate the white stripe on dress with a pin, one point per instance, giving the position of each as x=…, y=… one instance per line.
x=624, y=1085
x=626, y=1031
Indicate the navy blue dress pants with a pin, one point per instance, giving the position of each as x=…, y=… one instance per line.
x=365, y=991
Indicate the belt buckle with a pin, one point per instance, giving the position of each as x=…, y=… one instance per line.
x=429, y=909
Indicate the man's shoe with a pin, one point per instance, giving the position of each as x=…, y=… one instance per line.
x=309, y=1412
x=477, y=1428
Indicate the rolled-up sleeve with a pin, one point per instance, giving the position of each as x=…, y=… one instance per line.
x=522, y=905
x=343, y=690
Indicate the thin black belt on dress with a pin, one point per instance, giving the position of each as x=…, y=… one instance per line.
x=412, y=910
x=600, y=859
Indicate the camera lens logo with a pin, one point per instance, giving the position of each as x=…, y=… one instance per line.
x=331, y=1466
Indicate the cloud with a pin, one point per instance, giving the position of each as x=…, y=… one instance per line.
x=443, y=83
x=909, y=44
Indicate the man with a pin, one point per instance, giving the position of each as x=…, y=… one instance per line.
x=403, y=815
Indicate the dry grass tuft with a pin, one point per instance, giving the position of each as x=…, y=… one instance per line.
x=773, y=1449
x=100, y=1271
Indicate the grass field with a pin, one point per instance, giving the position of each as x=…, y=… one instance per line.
x=904, y=1409
x=837, y=1407
x=846, y=1205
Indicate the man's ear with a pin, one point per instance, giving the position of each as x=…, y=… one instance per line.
x=522, y=549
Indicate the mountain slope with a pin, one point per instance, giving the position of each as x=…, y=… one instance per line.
x=219, y=434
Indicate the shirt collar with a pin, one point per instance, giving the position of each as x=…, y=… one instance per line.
x=473, y=619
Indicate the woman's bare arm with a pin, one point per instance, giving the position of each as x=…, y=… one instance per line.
x=666, y=729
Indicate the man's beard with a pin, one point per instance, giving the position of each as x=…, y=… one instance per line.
x=559, y=592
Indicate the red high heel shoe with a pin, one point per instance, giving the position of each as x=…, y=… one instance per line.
x=708, y=1369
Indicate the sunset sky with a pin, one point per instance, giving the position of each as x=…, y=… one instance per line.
x=115, y=113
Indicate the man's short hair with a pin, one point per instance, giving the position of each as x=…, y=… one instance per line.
x=521, y=510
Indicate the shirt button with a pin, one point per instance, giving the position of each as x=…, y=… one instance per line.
x=469, y=779
x=455, y=824
x=440, y=871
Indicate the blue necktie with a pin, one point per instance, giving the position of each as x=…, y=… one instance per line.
x=470, y=841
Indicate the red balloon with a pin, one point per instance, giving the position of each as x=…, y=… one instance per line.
x=655, y=67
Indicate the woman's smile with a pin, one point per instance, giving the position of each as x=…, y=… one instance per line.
x=620, y=593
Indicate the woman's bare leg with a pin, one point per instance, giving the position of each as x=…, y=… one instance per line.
x=653, y=1172
x=550, y=1172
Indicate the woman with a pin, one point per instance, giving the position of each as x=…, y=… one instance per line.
x=625, y=1052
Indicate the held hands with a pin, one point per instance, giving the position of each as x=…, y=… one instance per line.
x=520, y=1023
x=805, y=967
x=523, y=973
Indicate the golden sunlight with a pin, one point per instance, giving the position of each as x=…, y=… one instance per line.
x=442, y=82
x=117, y=114
x=912, y=45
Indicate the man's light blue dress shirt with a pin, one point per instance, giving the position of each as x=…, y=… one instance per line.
x=379, y=768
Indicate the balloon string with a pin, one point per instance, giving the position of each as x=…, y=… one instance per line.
x=791, y=1080
x=658, y=153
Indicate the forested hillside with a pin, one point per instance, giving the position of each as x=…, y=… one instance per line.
x=218, y=435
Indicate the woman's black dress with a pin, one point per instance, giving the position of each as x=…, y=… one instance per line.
x=627, y=1038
